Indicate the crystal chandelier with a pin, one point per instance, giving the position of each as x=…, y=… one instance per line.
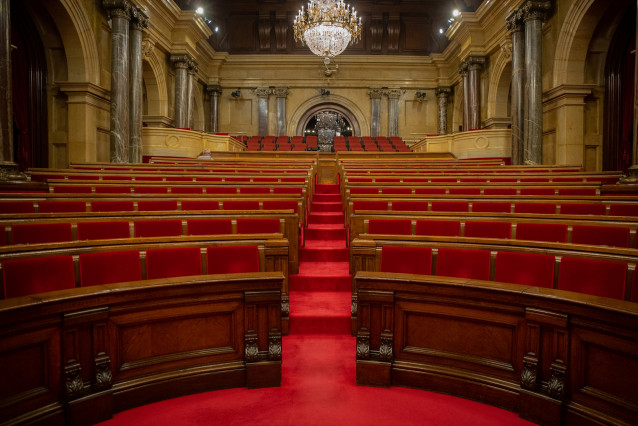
x=327, y=27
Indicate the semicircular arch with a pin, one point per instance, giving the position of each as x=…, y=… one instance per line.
x=156, y=90
x=498, y=91
x=340, y=104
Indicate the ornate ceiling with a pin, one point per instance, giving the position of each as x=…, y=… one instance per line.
x=391, y=27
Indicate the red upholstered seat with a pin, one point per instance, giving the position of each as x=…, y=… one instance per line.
x=110, y=267
x=237, y=179
x=577, y=191
x=112, y=206
x=531, y=180
x=369, y=205
x=150, y=178
x=441, y=228
x=156, y=205
x=550, y=232
x=463, y=263
x=72, y=189
x=503, y=180
x=415, y=180
x=150, y=190
x=481, y=229
x=444, y=180
x=241, y=205
x=258, y=226
x=594, y=209
x=612, y=236
x=83, y=177
x=187, y=190
x=537, y=191
x=179, y=178
x=117, y=177
x=62, y=206
x=363, y=190
x=17, y=207
x=525, y=268
x=232, y=259
x=112, y=190
x=388, y=180
x=491, y=207
x=467, y=180
x=221, y=190
x=23, y=277
x=208, y=179
x=281, y=205
x=295, y=191
x=596, y=277
x=499, y=191
x=103, y=230
x=429, y=191
x=200, y=205
x=623, y=209
x=396, y=190
x=173, y=262
x=158, y=228
x=450, y=206
x=209, y=226
x=567, y=179
x=406, y=260
x=39, y=233
x=359, y=180
x=254, y=190
x=465, y=191
x=293, y=179
x=539, y=208
x=390, y=226
x=410, y=206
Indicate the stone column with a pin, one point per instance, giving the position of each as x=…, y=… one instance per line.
x=180, y=62
x=393, y=111
x=443, y=95
x=214, y=92
x=634, y=158
x=475, y=65
x=281, y=94
x=515, y=26
x=190, y=92
x=139, y=21
x=534, y=12
x=375, y=98
x=119, y=12
x=6, y=106
x=463, y=70
x=262, y=107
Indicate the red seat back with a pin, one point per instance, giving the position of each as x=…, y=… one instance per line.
x=281, y=205
x=232, y=259
x=209, y=226
x=429, y=191
x=363, y=190
x=62, y=207
x=103, y=230
x=17, y=207
x=481, y=229
x=112, y=190
x=595, y=277
x=158, y=228
x=574, y=208
x=40, y=233
x=151, y=190
x=369, y=205
x=464, y=191
x=577, y=191
x=254, y=190
x=200, y=205
x=499, y=191
x=463, y=263
x=525, y=268
x=284, y=190
x=450, y=206
x=173, y=262
x=612, y=236
x=156, y=205
x=109, y=267
x=550, y=232
x=623, y=210
x=72, y=189
x=537, y=191
x=23, y=277
x=410, y=206
x=390, y=226
x=406, y=260
x=489, y=207
x=539, y=208
x=441, y=228
x=112, y=206
x=258, y=226
x=187, y=190
x=241, y=205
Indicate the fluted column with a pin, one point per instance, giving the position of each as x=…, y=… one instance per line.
x=6, y=106
x=190, y=92
x=139, y=21
x=214, y=92
x=375, y=112
x=463, y=71
x=281, y=93
x=475, y=66
x=119, y=12
x=534, y=12
x=262, y=107
x=180, y=62
x=515, y=26
x=443, y=95
x=393, y=111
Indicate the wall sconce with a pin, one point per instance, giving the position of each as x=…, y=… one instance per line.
x=325, y=92
x=236, y=93
x=420, y=95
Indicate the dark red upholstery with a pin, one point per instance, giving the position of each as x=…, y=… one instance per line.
x=150, y=178
x=173, y=262
x=187, y=190
x=537, y=191
x=284, y=190
x=465, y=191
x=396, y=190
x=410, y=206
x=72, y=189
x=178, y=178
x=158, y=228
x=442, y=228
x=463, y=263
x=390, y=226
x=237, y=179
x=265, y=179
x=241, y=205
x=258, y=226
x=110, y=267
x=293, y=179
x=363, y=190
x=117, y=178
x=103, y=230
x=567, y=179
x=481, y=229
x=594, y=209
x=150, y=190
x=540, y=208
x=369, y=205
x=443, y=180
x=503, y=180
x=491, y=207
x=39, y=233
x=221, y=190
x=531, y=180
x=200, y=205
x=525, y=269
x=209, y=226
x=62, y=207
x=17, y=207
x=406, y=260
x=112, y=189
x=612, y=236
x=623, y=209
x=112, y=206
x=232, y=259
x=429, y=191
x=388, y=180
x=156, y=205
x=254, y=190
x=23, y=277
x=550, y=232
x=577, y=191
x=499, y=191
x=208, y=179
x=359, y=180
x=281, y=205
x=450, y=206
x=595, y=277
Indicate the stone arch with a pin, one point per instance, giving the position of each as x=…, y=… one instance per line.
x=156, y=89
x=499, y=88
x=457, y=109
x=307, y=109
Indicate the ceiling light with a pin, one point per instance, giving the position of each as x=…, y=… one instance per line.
x=456, y=12
x=199, y=10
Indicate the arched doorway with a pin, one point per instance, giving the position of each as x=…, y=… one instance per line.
x=308, y=119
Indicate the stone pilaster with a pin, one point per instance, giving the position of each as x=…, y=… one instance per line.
x=190, y=92
x=281, y=93
x=262, y=109
x=514, y=24
x=475, y=65
x=181, y=62
x=443, y=96
x=119, y=12
x=6, y=104
x=139, y=22
x=533, y=15
x=214, y=92
x=393, y=111
x=375, y=121
x=464, y=72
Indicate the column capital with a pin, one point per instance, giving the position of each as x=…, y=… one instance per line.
x=514, y=21
x=534, y=10
x=214, y=89
x=394, y=93
x=262, y=92
x=475, y=62
x=148, y=45
x=139, y=18
x=118, y=8
x=281, y=92
x=375, y=93
x=180, y=60
x=192, y=67
x=443, y=91
x=463, y=69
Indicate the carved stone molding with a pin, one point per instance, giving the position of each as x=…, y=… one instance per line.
x=74, y=386
x=281, y=92
x=394, y=31
x=139, y=18
x=514, y=21
x=251, y=350
x=262, y=92
x=375, y=93
x=385, y=350
x=394, y=93
x=376, y=33
x=463, y=69
x=281, y=33
x=353, y=306
x=214, y=90
x=180, y=60
x=475, y=62
x=103, y=375
x=192, y=67
x=363, y=346
x=443, y=91
x=118, y=8
x=285, y=306
x=9, y=172
x=148, y=45
x=556, y=384
x=536, y=10
x=528, y=376
x=274, y=347
x=506, y=49
x=264, y=28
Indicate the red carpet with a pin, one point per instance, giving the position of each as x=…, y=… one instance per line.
x=318, y=384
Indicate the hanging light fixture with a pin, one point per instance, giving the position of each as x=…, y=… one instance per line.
x=327, y=27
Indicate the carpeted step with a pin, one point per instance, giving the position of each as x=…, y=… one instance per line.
x=325, y=312
x=322, y=276
x=325, y=218
x=327, y=198
x=325, y=232
x=326, y=207
x=327, y=189
x=323, y=254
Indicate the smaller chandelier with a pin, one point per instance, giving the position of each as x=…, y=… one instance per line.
x=327, y=27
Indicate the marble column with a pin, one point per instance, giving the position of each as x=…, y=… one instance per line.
x=190, y=92
x=393, y=111
x=139, y=21
x=119, y=12
x=634, y=158
x=534, y=12
x=281, y=93
x=262, y=109
x=180, y=62
x=464, y=72
x=443, y=94
x=475, y=65
x=6, y=106
x=375, y=121
x=514, y=24
x=213, y=95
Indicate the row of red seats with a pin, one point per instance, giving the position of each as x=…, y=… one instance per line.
x=556, y=179
x=22, y=277
x=186, y=189
x=582, y=275
x=451, y=190
x=41, y=177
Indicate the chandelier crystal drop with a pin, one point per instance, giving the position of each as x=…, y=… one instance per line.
x=327, y=27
